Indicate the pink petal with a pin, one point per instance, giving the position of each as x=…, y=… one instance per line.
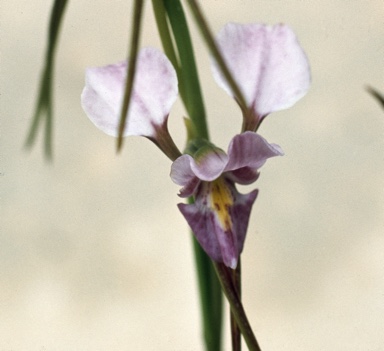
x=267, y=63
x=209, y=165
x=250, y=150
x=154, y=92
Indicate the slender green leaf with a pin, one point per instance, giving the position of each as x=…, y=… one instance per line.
x=193, y=97
x=44, y=110
x=379, y=97
x=133, y=50
x=210, y=41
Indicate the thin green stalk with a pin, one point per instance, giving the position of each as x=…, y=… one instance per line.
x=208, y=37
x=193, y=99
x=166, y=41
x=235, y=330
x=211, y=298
x=209, y=286
x=44, y=110
x=237, y=308
x=133, y=50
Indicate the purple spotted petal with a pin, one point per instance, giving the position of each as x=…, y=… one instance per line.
x=154, y=92
x=250, y=150
x=268, y=64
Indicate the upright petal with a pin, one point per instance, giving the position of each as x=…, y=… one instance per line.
x=154, y=92
x=267, y=63
x=250, y=150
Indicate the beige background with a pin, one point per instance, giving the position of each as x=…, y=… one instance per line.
x=94, y=254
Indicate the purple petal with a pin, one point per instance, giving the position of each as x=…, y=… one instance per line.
x=267, y=62
x=243, y=176
x=250, y=150
x=217, y=243
x=240, y=214
x=202, y=225
x=182, y=174
x=220, y=220
x=154, y=92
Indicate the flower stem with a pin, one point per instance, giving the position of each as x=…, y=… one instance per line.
x=193, y=97
x=236, y=306
x=210, y=297
x=166, y=41
x=235, y=331
x=44, y=101
x=209, y=286
x=208, y=37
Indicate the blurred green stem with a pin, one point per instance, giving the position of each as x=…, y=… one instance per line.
x=133, y=50
x=209, y=286
x=237, y=309
x=43, y=110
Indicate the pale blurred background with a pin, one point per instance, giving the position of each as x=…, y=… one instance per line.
x=94, y=254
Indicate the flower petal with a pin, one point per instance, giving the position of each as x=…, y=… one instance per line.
x=243, y=176
x=182, y=174
x=240, y=213
x=154, y=92
x=210, y=164
x=219, y=219
x=267, y=62
x=250, y=150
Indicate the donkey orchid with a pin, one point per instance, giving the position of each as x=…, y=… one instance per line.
x=271, y=71
x=220, y=214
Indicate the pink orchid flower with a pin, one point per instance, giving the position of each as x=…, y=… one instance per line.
x=271, y=70
x=220, y=214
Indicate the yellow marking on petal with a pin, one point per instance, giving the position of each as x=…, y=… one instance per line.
x=221, y=200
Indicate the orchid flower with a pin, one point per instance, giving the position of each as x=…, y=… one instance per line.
x=220, y=214
x=271, y=71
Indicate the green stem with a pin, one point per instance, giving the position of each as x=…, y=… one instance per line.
x=236, y=306
x=211, y=298
x=166, y=41
x=133, y=50
x=235, y=330
x=209, y=285
x=193, y=97
x=43, y=108
x=208, y=37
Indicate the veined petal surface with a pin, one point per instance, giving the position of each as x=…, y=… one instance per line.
x=250, y=150
x=154, y=92
x=268, y=64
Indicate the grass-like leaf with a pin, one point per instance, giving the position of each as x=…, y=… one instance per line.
x=44, y=109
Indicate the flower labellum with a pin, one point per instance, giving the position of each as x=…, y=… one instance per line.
x=220, y=214
x=268, y=64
